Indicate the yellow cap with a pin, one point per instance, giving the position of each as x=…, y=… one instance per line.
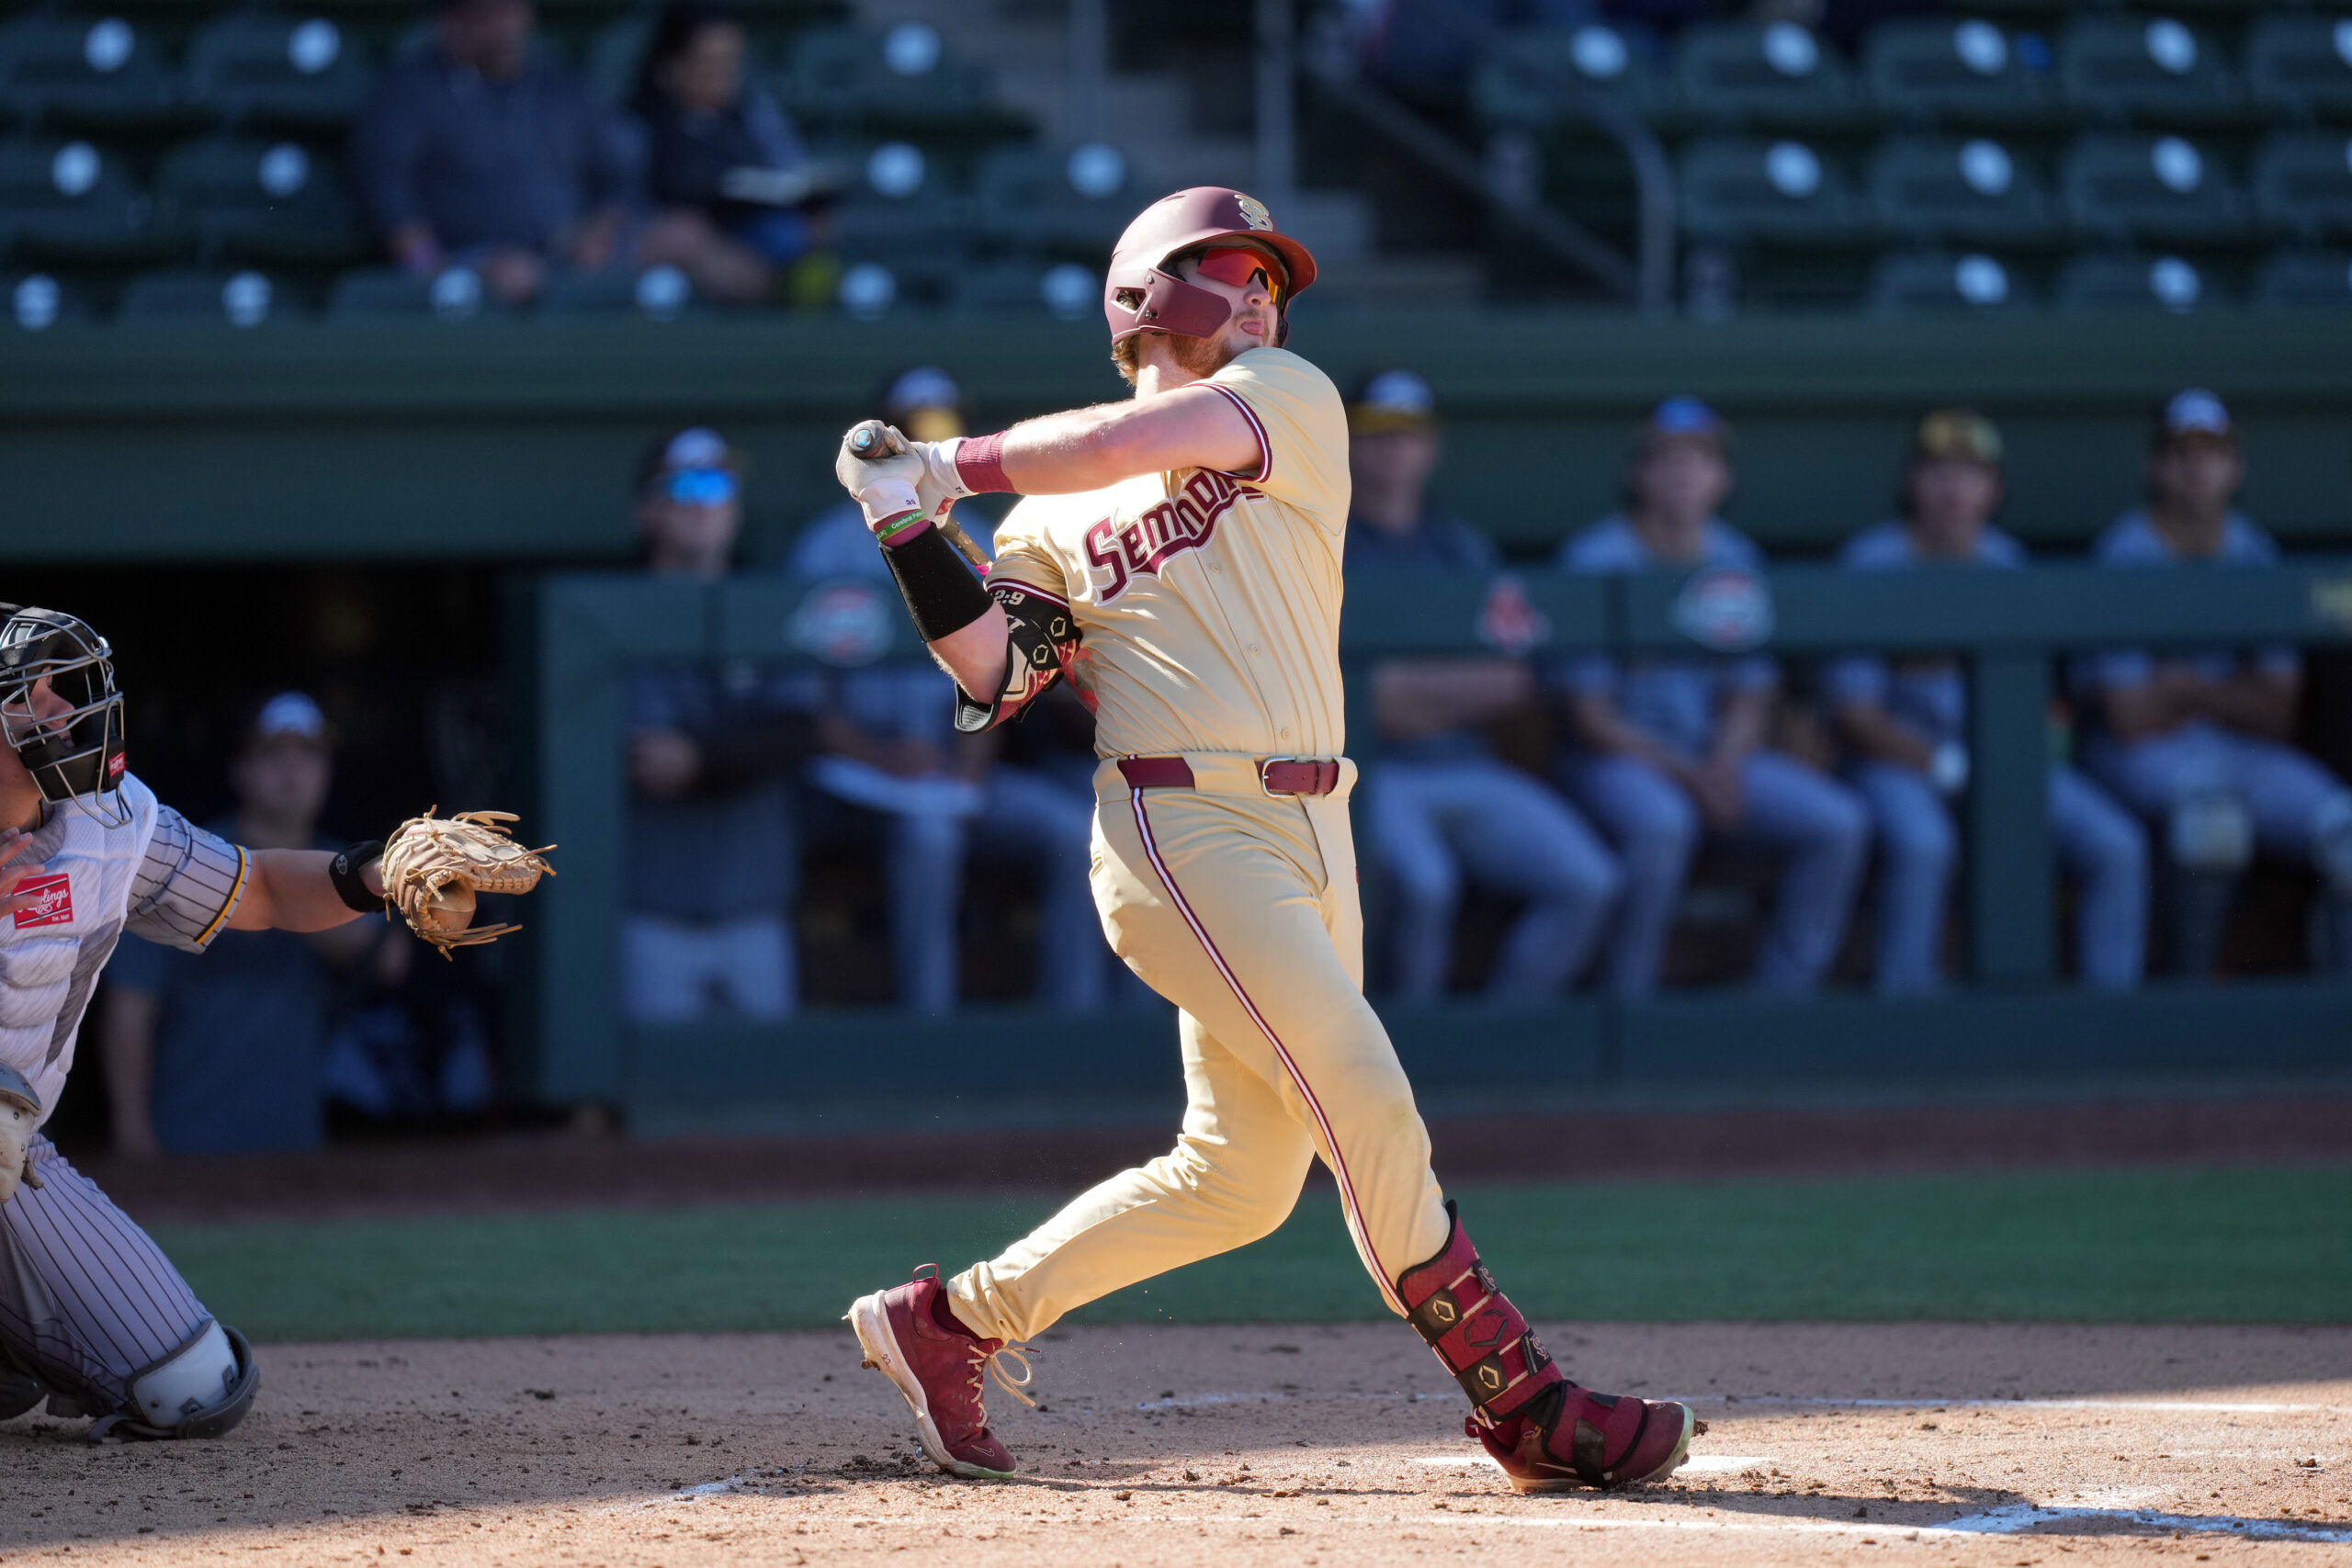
x=1957, y=433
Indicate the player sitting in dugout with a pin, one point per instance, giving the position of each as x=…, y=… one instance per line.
x=1666, y=749
x=1443, y=807
x=1177, y=558
x=93, y=1317
x=2199, y=741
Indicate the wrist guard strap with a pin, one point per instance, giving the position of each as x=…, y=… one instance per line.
x=941, y=593
x=979, y=463
x=344, y=872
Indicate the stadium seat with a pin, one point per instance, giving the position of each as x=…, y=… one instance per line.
x=1032, y=196
x=2294, y=278
x=37, y=301
x=899, y=212
x=2108, y=280
x=248, y=200
x=1065, y=291
x=1930, y=187
x=1952, y=71
x=1612, y=63
x=657, y=294
x=67, y=201
x=1776, y=74
x=74, y=71
x=380, y=293
x=1733, y=187
x=2118, y=185
x=2122, y=66
x=255, y=68
x=192, y=296
x=2302, y=182
x=844, y=77
x=2301, y=64
x=1939, y=280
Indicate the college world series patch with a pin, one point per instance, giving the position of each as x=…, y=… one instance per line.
x=53, y=901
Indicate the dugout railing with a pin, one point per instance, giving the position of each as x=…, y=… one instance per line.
x=2011, y=1015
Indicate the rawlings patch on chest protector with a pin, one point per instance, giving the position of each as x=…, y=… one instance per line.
x=1142, y=545
x=54, y=901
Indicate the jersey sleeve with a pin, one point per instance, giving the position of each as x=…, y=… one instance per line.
x=1023, y=555
x=1302, y=430
x=188, y=885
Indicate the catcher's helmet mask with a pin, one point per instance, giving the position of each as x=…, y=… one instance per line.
x=1141, y=290
x=76, y=755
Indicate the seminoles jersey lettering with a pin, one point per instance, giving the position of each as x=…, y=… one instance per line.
x=1205, y=606
x=1185, y=521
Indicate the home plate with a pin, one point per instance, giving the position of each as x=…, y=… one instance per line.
x=1697, y=1464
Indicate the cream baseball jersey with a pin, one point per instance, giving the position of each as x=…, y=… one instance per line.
x=154, y=874
x=1204, y=608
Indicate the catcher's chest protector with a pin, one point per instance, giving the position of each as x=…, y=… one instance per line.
x=51, y=953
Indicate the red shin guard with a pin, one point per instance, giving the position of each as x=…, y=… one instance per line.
x=1477, y=1333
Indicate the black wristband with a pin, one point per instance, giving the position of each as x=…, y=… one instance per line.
x=937, y=584
x=344, y=872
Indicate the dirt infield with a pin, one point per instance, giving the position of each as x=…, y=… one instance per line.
x=1319, y=1446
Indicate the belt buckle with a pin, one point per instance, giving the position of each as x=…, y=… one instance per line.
x=1265, y=787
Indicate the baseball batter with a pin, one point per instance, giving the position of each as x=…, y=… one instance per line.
x=1177, y=558
x=93, y=1317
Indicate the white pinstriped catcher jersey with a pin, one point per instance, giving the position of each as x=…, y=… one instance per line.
x=1208, y=607
x=158, y=877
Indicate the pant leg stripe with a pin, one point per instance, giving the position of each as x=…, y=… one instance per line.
x=1330, y=1141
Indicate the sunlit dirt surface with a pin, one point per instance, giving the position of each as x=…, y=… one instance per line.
x=1316, y=1445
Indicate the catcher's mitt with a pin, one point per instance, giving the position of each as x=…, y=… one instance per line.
x=432, y=866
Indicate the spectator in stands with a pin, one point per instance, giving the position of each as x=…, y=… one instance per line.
x=715, y=146
x=1906, y=722
x=712, y=854
x=1441, y=804
x=480, y=150
x=225, y=1054
x=892, y=752
x=1666, y=747
x=2197, y=740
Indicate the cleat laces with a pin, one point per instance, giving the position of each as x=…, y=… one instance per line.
x=994, y=1361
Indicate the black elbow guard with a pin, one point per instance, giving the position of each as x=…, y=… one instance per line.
x=1040, y=635
x=941, y=593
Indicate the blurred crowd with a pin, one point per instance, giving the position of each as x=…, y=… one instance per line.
x=483, y=150
x=1585, y=795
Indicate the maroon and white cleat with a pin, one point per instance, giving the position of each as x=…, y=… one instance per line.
x=1588, y=1440
x=911, y=1337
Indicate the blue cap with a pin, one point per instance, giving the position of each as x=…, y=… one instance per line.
x=1685, y=416
x=290, y=713
x=2195, y=411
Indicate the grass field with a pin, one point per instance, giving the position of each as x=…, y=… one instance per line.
x=2156, y=1245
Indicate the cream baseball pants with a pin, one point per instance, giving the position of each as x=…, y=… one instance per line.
x=1241, y=908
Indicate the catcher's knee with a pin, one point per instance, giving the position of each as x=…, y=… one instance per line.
x=201, y=1390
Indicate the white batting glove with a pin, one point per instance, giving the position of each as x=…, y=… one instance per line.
x=883, y=479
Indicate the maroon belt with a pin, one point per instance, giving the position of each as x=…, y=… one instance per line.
x=1280, y=776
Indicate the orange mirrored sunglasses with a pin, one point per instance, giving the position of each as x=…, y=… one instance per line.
x=1236, y=265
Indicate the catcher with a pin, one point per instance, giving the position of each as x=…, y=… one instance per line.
x=93, y=1317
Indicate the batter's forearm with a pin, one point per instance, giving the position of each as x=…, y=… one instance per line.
x=976, y=655
x=1086, y=449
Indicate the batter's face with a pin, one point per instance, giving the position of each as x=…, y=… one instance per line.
x=1255, y=323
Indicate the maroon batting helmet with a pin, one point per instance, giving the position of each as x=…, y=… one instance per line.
x=1139, y=294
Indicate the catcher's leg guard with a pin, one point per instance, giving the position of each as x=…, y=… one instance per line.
x=202, y=1390
x=1546, y=1433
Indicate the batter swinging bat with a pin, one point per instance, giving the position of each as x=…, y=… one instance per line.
x=873, y=443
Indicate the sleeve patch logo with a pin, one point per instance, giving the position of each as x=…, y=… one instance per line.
x=53, y=901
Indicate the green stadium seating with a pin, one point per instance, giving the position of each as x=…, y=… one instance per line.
x=1910, y=281
x=2120, y=184
x=1030, y=197
x=1065, y=290
x=68, y=201
x=240, y=300
x=1777, y=74
x=37, y=301
x=657, y=294
x=2301, y=64
x=2299, y=278
x=847, y=78
x=83, y=72
x=258, y=69
x=1609, y=63
x=379, y=293
x=2302, y=182
x=2127, y=280
x=1941, y=186
x=247, y=199
x=1738, y=187
x=1953, y=71
x=901, y=213
x=2121, y=65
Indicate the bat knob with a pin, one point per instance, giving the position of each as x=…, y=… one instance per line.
x=862, y=442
